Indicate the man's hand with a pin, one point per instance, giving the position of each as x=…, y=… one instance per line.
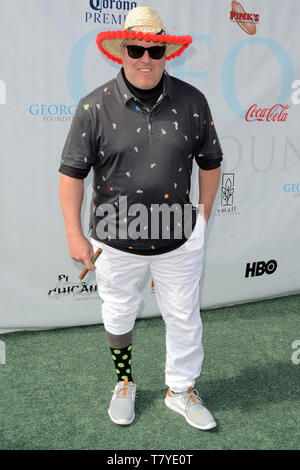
x=81, y=250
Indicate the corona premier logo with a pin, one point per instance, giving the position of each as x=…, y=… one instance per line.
x=110, y=4
x=108, y=11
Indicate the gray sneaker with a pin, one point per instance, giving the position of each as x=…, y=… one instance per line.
x=121, y=408
x=189, y=405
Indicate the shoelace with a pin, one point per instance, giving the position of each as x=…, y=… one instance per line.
x=188, y=400
x=120, y=387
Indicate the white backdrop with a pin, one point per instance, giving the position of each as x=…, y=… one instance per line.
x=49, y=59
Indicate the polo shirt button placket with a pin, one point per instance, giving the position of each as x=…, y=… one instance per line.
x=150, y=129
x=154, y=138
x=147, y=115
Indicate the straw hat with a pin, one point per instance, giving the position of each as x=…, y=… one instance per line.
x=141, y=23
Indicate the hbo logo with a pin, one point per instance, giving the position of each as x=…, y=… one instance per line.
x=260, y=267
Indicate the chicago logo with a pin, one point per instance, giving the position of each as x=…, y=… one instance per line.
x=246, y=21
x=260, y=267
x=76, y=289
x=278, y=113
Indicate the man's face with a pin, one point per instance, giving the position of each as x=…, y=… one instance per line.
x=144, y=73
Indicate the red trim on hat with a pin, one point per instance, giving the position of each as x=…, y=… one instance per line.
x=124, y=34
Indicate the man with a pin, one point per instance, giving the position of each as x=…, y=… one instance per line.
x=140, y=132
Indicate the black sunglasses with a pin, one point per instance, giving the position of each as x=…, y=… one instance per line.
x=155, y=52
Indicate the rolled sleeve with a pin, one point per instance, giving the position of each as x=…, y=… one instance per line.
x=78, y=155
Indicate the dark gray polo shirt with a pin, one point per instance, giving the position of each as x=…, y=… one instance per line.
x=142, y=160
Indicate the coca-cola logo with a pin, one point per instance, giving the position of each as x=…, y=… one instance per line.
x=278, y=113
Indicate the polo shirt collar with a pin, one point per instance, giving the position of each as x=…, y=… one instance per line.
x=126, y=94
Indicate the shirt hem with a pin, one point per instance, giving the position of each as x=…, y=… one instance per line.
x=141, y=252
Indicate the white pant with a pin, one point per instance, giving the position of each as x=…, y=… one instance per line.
x=176, y=276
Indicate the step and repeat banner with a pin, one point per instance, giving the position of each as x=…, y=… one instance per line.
x=244, y=58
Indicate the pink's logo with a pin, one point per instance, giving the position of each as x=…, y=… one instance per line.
x=278, y=113
x=246, y=21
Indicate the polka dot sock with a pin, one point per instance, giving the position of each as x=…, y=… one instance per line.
x=122, y=361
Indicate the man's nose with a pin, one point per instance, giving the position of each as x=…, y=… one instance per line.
x=146, y=57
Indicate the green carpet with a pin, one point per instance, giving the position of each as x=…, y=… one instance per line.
x=56, y=385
